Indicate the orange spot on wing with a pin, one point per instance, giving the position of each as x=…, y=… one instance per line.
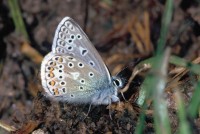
x=54, y=63
x=51, y=75
x=56, y=92
x=52, y=83
x=51, y=69
x=60, y=59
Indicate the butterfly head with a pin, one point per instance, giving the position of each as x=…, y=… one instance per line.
x=117, y=82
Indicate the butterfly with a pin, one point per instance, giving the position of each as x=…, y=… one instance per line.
x=74, y=72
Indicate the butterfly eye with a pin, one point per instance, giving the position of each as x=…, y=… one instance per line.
x=81, y=65
x=78, y=36
x=118, y=83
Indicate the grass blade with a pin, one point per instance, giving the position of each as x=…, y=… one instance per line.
x=17, y=18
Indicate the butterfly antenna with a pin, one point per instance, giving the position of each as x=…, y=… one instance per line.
x=130, y=65
x=134, y=73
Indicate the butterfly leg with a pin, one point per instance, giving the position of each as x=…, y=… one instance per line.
x=110, y=109
x=114, y=98
x=88, y=111
x=123, y=97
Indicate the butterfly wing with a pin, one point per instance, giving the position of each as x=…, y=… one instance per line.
x=70, y=39
x=69, y=79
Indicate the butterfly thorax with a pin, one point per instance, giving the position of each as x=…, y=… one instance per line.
x=105, y=95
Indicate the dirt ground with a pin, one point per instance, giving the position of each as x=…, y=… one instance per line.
x=124, y=33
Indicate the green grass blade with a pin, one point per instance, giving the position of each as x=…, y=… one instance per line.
x=183, y=124
x=17, y=18
x=141, y=121
x=195, y=68
x=154, y=84
x=165, y=26
x=194, y=104
x=157, y=83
